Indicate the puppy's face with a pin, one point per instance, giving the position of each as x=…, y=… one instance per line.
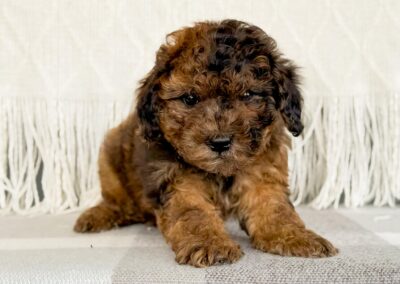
x=217, y=93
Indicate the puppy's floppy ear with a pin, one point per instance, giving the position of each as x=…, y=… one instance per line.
x=149, y=103
x=290, y=98
x=148, y=106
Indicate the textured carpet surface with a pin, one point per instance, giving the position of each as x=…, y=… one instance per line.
x=45, y=250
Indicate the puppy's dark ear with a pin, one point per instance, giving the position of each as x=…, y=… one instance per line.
x=148, y=107
x=289, y=96
x=149, y=103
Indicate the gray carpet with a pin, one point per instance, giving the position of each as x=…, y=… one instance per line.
x=45, y=250
x=363, y=258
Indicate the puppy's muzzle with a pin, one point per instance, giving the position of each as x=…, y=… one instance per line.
x=220, y=144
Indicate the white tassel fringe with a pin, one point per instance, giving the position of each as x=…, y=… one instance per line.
x=349, y=153
x=48, y=153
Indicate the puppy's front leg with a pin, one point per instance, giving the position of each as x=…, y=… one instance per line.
x=273, y=225
x=192, y=225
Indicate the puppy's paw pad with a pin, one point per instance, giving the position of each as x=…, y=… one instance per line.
x=303, y=243
x=212, y=253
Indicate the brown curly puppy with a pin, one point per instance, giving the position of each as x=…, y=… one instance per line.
x=208, y=140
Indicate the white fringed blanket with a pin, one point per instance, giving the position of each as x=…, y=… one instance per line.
x=68, y=70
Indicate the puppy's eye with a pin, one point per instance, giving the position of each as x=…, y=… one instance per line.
x=247, y=95
x=250, y=94
x=190, y=99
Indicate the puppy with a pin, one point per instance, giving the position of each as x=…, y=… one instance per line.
x=208, y=140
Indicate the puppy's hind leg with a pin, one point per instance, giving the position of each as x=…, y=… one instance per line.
x=118, y=208
x=101, y=217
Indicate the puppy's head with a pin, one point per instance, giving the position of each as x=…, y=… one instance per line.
x=217, y=93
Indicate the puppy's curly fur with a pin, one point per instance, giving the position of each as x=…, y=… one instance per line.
x=208, y=140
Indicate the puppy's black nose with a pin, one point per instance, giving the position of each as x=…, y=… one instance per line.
x=220, y=144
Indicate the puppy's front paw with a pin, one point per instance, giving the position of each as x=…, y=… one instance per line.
x=295, y=242
x=208, y=253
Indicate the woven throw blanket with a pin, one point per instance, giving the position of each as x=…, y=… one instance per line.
x=45, y=250
x=69, y=70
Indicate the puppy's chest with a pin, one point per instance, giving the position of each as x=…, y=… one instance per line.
x=226, y=194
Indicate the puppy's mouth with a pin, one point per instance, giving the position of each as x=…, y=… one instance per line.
x=221, y=154
x=224, y=157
